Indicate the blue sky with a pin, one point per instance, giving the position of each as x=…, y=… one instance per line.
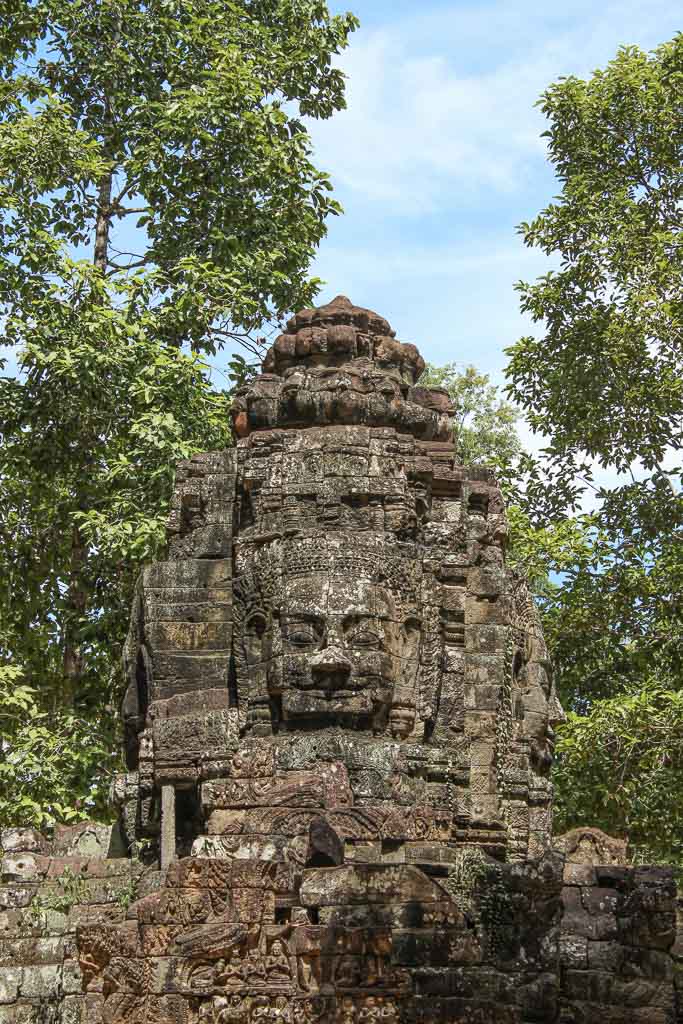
x=438, y=157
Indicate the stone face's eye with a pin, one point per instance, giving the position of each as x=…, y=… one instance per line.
x=303, y=634
x=363, y=637
x=301, y=637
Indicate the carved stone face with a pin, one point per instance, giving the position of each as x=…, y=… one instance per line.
x=329, y=644
x=400, y=515
x=341, y=642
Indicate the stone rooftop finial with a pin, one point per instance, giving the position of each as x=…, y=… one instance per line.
x=341, y=364
x=340, y=333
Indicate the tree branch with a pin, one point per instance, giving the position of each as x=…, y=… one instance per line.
x=116, y=267
x=255, y=346
x=123, y=211
x=129, y=187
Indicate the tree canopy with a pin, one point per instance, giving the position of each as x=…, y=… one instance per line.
x=185, y=115
x=603, y=383
x=157, y=200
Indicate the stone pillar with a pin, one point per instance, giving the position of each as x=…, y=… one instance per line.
x=167, y=825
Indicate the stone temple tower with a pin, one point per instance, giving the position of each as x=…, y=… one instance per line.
x=335, y=617
x=339, y=726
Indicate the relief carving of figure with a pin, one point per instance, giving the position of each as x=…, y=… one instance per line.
x=230, y=972
x=278, y=970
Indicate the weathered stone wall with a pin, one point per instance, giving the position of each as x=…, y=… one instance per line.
x=252, y=940
x=91, y=939
x=618, y=930
x=49, y=891
x=677, y=956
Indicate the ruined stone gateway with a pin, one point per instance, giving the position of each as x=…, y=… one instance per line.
x=334, y=642
x=339, y=731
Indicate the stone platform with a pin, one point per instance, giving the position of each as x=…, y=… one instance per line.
x=90, y=939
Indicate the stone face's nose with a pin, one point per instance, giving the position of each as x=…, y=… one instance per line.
x=556, y=713
x=331, y=662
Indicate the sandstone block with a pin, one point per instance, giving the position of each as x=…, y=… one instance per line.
x=23, y=840
x=10, y=983
x=41, y=982
x=24, y=867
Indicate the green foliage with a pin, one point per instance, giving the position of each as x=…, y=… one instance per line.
x=90, y=436
x=184, y=119
x=46, y=765
x=605, y=379
x=604, y=385
x=622, y=766
x=127, y=893
x=182, y=114
x=484, y=424
x=548, y=552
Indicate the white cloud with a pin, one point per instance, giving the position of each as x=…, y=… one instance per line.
x=418, y=135
x=441, y=104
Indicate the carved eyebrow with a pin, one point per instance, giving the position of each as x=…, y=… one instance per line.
x=294, y=619
x=363, y=619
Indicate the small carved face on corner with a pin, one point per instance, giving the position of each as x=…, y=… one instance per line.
x=344, y=651
x=538, y=705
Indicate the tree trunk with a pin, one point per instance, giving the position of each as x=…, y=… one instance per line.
x=76, y=595
x=103, y=222
x=76, y=604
